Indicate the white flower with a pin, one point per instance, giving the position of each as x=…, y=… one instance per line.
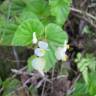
x=43, y=45
x=39, y=64
x=34, y=40
x=61, y=52
x=39, y=52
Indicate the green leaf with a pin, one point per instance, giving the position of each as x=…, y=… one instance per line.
x=10, y=85
x=29, y=63
x=39, y=7
x=92, y=84
x=83, y=64
x=80, y=89
x=60, y=9
x=7, y=34
x=88, y=61
x=55, y=34
x=14, y=6
x=85, y=75
x=50, y=58
x=24, y=34
x=27, y=14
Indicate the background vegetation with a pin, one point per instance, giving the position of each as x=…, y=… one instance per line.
x=65, y=25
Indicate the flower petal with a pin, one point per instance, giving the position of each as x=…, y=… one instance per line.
x=39, y=64
x=61, y=53
x=39, y=52
x=43, y=45
x=58, y=54
x=34, y=41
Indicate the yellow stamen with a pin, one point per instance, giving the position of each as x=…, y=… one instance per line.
x=65, y=58
x=67, y=46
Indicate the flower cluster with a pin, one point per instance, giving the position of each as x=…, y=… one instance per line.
x=38, y=63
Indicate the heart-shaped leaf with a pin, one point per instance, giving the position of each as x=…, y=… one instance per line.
x=24, y=33
x=55, y=34
x=60, y=9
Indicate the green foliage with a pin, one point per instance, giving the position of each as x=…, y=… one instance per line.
x=55, y=37
x=55, y=34
x=39, y=7
x=20, y=11
x=87, y=66
x=23, y=35
x=92, y=84
x=86, y=63
x=19, y=19
x=81, y=89
x=43, y=17
x=7, y=34
x=60, y=9
x=50, y=59
x=10, y=85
